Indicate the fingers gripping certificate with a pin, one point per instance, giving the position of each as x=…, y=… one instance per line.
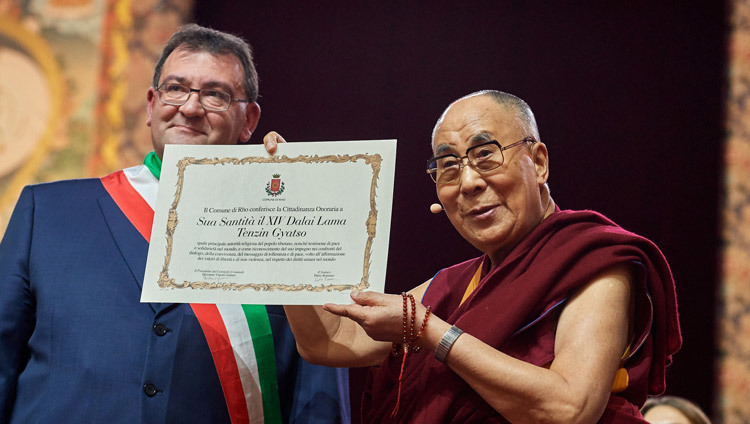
x=307, y=225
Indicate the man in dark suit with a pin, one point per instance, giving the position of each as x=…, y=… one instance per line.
x=76, y=344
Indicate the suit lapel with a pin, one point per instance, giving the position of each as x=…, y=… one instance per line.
x=129, y=241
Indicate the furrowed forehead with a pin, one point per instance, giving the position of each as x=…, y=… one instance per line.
x=462, y=114
x=201, y=69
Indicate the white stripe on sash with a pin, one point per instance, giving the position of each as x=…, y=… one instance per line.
x=244, y=353
x=235, y=321
x=144, y=182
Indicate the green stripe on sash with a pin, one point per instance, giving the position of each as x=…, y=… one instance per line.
x=153, y=163
x=260, y=331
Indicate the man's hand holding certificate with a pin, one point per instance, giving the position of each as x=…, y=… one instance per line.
x=305, y=226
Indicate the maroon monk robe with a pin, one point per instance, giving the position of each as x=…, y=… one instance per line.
x=515, y=309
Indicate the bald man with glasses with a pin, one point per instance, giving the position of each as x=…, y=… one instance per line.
x=565, y=317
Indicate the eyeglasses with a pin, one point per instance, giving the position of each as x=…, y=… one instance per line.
x=483, y=158
x=210, y=99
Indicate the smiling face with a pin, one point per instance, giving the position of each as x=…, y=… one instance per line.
x=190, y=123
x=492, y=211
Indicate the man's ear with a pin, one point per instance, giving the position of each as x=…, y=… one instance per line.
x=150, y=99
x=540, y=156
x=252, y=116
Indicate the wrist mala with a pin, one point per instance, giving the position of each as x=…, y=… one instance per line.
x=446, y=343
x=409, y=339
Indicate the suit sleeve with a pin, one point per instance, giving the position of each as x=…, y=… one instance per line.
x=321, y=395
x=16, y=301
x=309, y=394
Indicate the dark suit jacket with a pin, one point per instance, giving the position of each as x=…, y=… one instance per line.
x=76, y=344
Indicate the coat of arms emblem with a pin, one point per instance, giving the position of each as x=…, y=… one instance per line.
x=275, y=186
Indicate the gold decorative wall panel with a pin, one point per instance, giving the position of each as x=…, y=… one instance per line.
x=73, y=81
x=733, y=363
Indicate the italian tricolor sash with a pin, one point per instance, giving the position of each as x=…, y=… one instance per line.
x=239, y=336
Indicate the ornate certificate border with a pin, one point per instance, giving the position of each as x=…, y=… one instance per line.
x=374, y=160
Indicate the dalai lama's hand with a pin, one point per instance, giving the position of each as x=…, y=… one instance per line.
x=380, y=315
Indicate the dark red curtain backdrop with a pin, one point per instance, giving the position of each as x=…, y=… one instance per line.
x=628, y=97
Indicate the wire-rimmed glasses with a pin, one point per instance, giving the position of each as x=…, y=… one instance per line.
x=483, y=158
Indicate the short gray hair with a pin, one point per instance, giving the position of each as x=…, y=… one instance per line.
x=503, y=99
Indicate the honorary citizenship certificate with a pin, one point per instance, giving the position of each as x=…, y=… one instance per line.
x=306, y=225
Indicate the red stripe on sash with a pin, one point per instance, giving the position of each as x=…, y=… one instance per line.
x=140, y=214
x=226, y=365
x=130, y=202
